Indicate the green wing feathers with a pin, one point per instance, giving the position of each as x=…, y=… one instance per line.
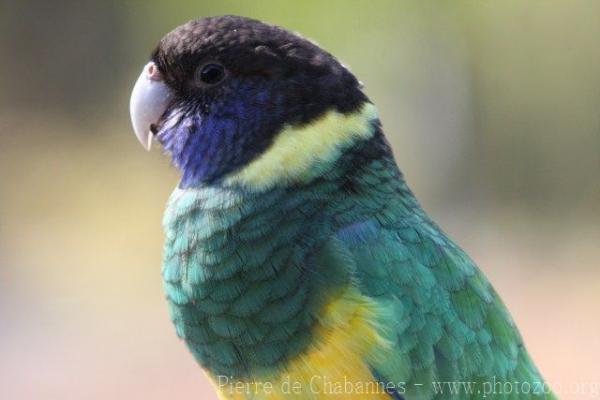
x=448, y=326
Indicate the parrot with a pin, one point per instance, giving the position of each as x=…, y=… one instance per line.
x=297, y=263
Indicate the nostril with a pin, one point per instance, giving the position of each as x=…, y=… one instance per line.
x=153, y=73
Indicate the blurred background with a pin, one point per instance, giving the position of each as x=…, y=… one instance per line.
x=491, y=107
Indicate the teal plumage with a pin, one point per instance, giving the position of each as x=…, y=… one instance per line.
x=245, y=273
x=252, y=283
x=294, y=248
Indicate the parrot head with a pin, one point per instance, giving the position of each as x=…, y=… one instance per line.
x=218, y=91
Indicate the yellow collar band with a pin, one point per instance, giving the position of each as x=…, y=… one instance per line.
x=300, y=153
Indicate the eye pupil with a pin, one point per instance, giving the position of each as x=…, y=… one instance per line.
x=212, y=73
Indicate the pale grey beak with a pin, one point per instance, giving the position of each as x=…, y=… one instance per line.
x=149, y=100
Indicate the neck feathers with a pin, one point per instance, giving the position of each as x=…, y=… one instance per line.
x=299, y=154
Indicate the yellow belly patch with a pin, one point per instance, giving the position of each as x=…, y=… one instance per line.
x=348, y=337
x=298, y=153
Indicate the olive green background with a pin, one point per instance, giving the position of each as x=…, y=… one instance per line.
x=492, y=108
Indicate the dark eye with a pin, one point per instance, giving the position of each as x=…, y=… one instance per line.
x=211, y=74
